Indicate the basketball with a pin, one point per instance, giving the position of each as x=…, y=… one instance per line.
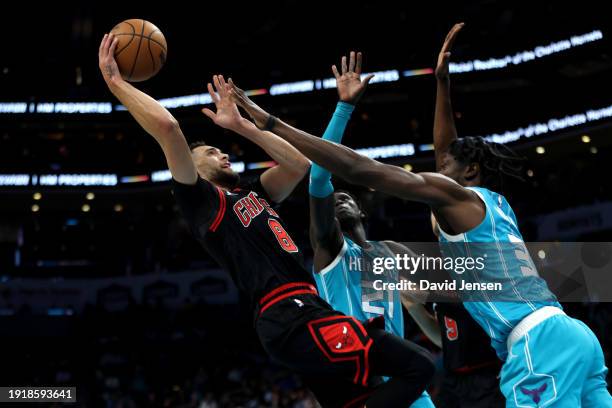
x=141, y=50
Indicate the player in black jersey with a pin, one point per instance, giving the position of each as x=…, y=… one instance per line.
x=335, y=353
x=471, y=367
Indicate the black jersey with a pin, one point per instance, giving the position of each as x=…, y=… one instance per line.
x=244, y=234
x=465, y=345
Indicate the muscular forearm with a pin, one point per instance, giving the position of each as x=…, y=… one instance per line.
x=149, y=114
x=287, y=156
x=444, y=130
x=337, y=159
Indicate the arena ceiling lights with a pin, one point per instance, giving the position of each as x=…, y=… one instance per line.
x=379, y=152
x=312, y=85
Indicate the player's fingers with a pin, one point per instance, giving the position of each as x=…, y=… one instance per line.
x=212, y=93
x=102, y=44
x=109, y=41
x=235, y=88
x=367, y=79
x=216, y=82
x=222, y=85
x=113, y=46
x=209, y=113
x=352, y=61
x=358, y=65
x=335, y=71
x=452, y=36
x=343, y=65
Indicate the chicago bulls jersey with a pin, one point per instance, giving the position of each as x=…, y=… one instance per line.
x=244, y=234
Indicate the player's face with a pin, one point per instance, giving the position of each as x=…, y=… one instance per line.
x=346, y=208
x=462, y=173
x=214, y=165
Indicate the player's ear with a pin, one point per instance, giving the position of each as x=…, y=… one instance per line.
x=471, y=171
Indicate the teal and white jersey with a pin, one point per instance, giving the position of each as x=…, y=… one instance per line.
x=347, y=284
x=507, y=261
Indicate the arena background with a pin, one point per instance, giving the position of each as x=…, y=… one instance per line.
x=102, y=286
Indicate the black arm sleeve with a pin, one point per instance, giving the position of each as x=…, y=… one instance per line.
x=199, y=203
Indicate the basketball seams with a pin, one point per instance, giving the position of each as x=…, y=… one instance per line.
x=144, y=36
x=153, y=69
x=136, y=65
x=138, y=49
x=131, y=39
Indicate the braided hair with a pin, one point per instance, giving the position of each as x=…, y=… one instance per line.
x=497, y=161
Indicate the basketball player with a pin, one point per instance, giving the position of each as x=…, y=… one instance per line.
x=241, y=230
x=470, y=364
x=342, y=254
x=549, y=358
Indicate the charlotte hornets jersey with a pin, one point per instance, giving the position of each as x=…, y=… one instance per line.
x=347, y=284
x=507, y=261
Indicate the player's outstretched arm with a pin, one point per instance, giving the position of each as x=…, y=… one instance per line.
x=444, y=130
x=278, y=181
x=449, y=200
x=325, y=234
x=149, y=114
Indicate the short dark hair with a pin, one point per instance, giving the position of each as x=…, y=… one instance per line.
x=197, y=144
x=496, y=160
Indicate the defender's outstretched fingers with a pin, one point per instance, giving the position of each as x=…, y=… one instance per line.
x=216, y=83
x=344, y=69
x=335, y=71
x=451, y=37
x=212, y=93
x=358, y=66
x=352, y=61
x=222, y=86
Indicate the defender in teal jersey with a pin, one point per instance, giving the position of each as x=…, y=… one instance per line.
x=551, y=360
x=343, y=257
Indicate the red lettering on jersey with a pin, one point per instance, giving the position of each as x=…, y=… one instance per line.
x=268, y=208
x=250, y=205
x=452, y=331
x=243, y=214
x=253, y=197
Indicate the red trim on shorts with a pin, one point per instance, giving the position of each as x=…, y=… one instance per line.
x=286, y=286
x=285, y=296
x=352, y=403
x=220, y=212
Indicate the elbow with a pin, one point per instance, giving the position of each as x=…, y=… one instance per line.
x=168, y=126
x=302, y=166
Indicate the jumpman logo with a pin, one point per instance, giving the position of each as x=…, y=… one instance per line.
x=345, y=339
x=534, y=394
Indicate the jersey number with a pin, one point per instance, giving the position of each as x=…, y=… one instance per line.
x=452, y=331
x=281, y=235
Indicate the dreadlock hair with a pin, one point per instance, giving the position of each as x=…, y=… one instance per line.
x=497, y=161
x=197, y=144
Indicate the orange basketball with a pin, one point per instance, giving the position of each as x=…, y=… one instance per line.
x=141, y=50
